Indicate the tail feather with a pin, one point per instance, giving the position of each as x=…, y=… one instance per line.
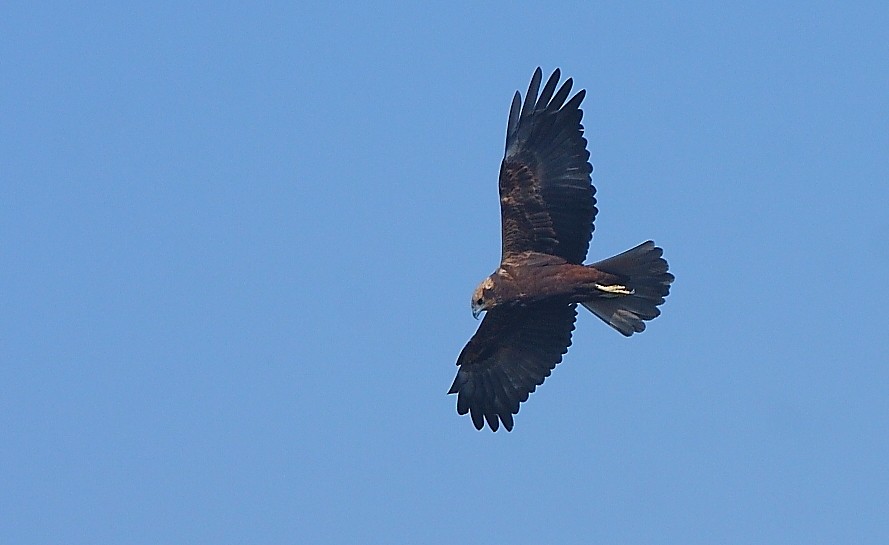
x=643, y=271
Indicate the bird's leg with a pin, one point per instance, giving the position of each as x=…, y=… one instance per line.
x=614, y=290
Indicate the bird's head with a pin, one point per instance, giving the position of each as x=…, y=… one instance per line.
x=483, y=297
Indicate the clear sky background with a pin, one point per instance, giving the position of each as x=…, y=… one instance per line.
x=238, y=242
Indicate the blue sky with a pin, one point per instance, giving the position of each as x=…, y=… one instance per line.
x=237, y=246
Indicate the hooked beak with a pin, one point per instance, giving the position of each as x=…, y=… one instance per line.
x=476, y=312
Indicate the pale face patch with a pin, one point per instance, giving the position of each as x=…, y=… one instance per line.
x=479, y=301
x=478, y=294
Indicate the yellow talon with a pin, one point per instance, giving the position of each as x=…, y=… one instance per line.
x=615, y=289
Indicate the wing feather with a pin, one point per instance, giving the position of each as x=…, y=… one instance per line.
x=512, y=353
x=559, y=99
x=514, y=112
x=547, y=93
x=531, y=95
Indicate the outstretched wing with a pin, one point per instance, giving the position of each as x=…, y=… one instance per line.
x=547, y=201
x=509, y=356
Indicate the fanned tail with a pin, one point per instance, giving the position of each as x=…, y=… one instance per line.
x=643, y=273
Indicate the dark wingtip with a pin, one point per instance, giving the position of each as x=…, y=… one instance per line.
x=548, y=89
x=455, y=386
x=493, y=421
x=574, y=103
x=533, y=87
x=478, y=418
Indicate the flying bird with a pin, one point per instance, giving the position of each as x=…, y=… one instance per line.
x=547, y=209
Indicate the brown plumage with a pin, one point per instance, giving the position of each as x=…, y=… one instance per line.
x=547, y=209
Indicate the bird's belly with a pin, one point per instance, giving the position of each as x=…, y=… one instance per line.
x=571, y=283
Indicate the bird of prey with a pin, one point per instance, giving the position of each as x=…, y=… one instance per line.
x=547, y=208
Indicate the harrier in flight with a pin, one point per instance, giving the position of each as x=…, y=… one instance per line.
x=547, y=208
